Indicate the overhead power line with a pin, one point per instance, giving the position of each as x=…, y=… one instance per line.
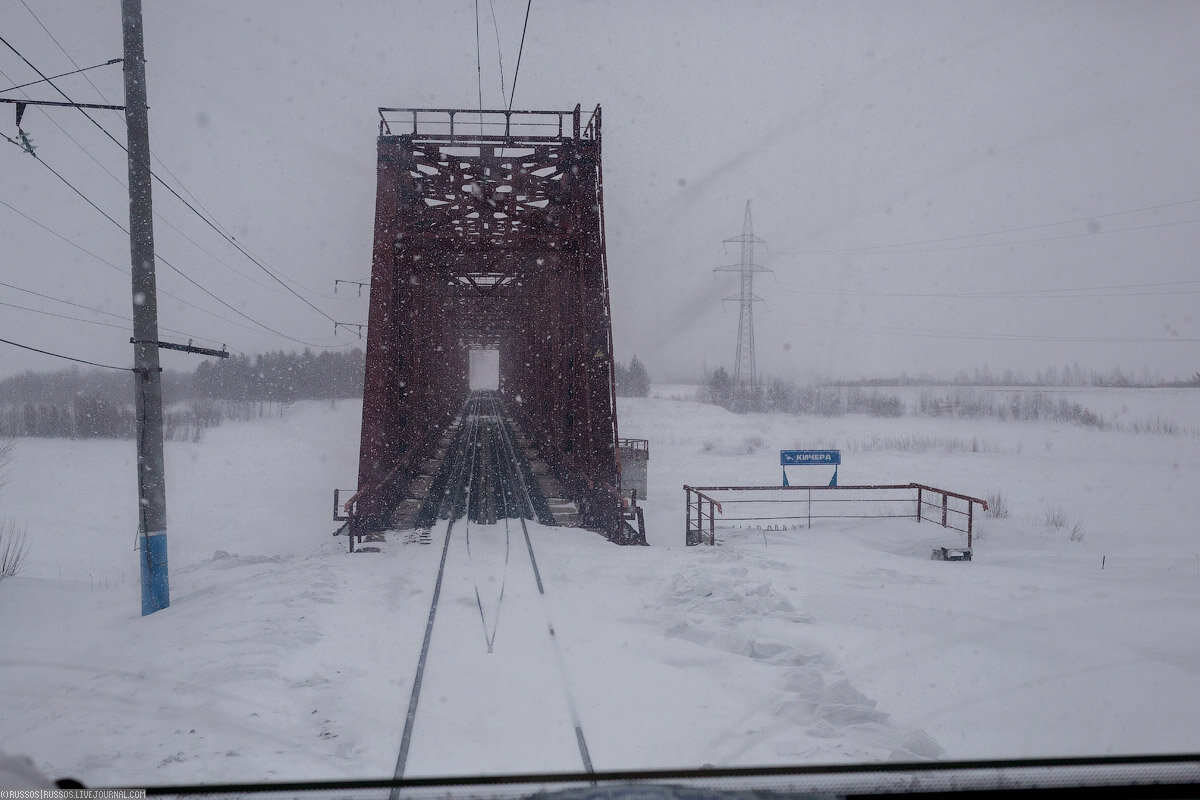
x=158, y=256
x=895, y=248
x=157, y=215
x=478, y=67
x=68, y=358
x=922, y=333
x=520, y=52
x=91, y=309
x=125, y=271
x=233, y=241
x=1081, y=292
x=50, y=118
x=58, y=175
x=153, y=156
x=63, y=75
x=63, y=316
x=499, y=50
x=63, y=50
x=16, y=288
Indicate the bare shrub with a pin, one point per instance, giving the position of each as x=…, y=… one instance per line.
x=753, y=443
x=13, y=548
x=997, y=505
x=1055, y=517
x=1017, y=406
x=709, y=445
x=920, y=443
x=1155, y=425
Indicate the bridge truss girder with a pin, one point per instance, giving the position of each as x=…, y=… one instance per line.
x=489, y=237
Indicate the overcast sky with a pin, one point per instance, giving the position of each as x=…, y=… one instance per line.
x=940, y=185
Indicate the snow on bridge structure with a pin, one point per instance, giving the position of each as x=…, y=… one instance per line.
x=489, y=234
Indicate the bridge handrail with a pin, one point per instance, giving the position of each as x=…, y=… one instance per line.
x=488, y=125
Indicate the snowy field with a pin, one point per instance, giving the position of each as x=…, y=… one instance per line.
x=283, y=657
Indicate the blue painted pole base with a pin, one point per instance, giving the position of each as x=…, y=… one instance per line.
x=156, y=594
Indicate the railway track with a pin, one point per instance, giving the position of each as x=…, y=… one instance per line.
x=490, y=640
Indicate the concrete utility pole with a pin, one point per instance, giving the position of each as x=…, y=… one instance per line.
x=745, y=375
x=152, y=485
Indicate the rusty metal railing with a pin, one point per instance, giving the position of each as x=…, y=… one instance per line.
x=695, y=523
x=488, y=125
x=806, y=503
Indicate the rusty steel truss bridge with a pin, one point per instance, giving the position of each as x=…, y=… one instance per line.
x=489, y=235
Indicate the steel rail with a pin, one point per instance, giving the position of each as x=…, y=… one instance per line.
x=489, y=453
x=576, y=720
x=458, y=497
x=450, y=500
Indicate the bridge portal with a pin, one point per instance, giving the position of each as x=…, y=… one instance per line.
x=489, y=235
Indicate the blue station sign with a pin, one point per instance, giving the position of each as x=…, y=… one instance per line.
x=795, y=458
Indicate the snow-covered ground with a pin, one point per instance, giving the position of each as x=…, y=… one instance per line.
x=284, y=657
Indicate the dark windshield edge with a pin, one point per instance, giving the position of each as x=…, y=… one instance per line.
x=1188, y=764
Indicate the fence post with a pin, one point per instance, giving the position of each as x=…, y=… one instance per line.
x=945, y=504
x=712, y=522
x=919, y=501
x=970, y=521
x=687, y=528
x=810, y=509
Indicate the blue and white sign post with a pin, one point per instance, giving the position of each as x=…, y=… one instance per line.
x=810, y=458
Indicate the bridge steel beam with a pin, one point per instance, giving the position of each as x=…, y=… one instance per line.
x=489, y=233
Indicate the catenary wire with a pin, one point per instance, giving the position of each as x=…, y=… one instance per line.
x=893, y=249
x=167, y=263
x=125, y=272
x=50, y=118
x=479, y=67
x=118, y=114
x=58, y=175
x=68, y=358
x=885, y=330
x=233, y=241
x=63, y=316
x=68, y=55
x=78, y=70
x=499, y=51
x=157, y=214
x=520, y=52
x=94, y=311
x=1073, y=292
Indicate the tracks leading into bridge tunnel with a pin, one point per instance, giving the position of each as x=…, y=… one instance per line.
x=490, y=626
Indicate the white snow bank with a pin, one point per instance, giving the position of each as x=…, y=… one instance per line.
x=283, y=657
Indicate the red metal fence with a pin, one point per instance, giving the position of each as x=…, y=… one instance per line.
x=803, y=504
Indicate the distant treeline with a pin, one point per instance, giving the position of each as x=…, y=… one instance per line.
x=281, y=377
x=1069, y=375
x=83, y=404
x=963, y=402
x=789, y=397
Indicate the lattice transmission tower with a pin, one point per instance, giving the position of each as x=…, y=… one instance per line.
x=745, y=371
